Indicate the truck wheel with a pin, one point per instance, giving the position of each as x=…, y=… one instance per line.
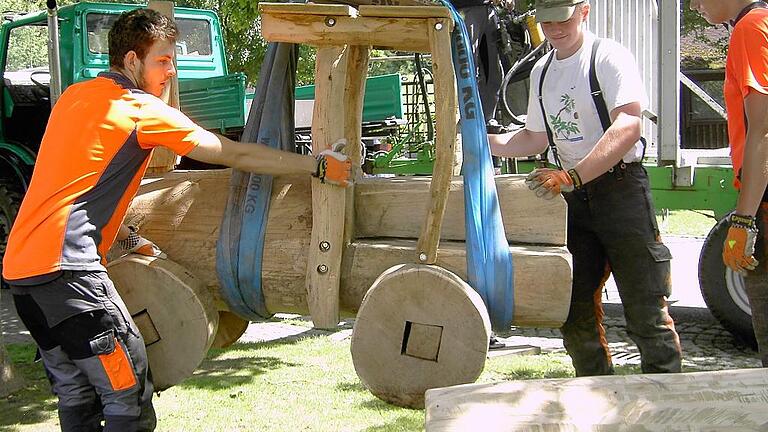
x=723, y=289
x=10, y=200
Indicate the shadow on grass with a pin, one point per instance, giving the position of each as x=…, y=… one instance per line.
x=352, y=386
x=33, y=403
x=535, y=373
x=220, y=370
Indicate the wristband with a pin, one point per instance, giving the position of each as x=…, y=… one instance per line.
x=742, y=220
x=575, y=178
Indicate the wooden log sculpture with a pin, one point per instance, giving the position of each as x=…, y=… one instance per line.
x=328, y=250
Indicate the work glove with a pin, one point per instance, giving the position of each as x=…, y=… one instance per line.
x=739, y=246
x=548, y=183
x=135, y=243
x=334, y=167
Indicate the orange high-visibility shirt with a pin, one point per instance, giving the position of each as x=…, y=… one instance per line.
x=746, y=70
x=95, y=150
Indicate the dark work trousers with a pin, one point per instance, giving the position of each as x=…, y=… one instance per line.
x=93, y=353
x=612, y=228
x=483, y=28
x=756, y=283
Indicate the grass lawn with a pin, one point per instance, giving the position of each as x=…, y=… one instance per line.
x=302, y=385
x=306, y=384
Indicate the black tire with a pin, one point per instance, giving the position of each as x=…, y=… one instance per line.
x=722, y=289
x=10, y=200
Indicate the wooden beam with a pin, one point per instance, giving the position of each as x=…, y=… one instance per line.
x=306, y=9
x=328, y=202
x=163, y=159
x=721, y=400
x=405, y=11
x=445, y=137
x=354, y=90
x=406, y=34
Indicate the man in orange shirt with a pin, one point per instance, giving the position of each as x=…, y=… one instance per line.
x=746, y=100
x=93, y=155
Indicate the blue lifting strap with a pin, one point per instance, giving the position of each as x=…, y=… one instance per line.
x=241, y=238
x=489, y=261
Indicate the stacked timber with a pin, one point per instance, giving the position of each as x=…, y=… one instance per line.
x=181, y=212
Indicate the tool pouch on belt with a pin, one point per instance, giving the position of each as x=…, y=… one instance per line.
x=114, y=359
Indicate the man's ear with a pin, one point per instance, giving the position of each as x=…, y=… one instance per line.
x=130, y=61
x=585, y=8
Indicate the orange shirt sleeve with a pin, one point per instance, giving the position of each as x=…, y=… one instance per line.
x=161, y=125
x=748, y=52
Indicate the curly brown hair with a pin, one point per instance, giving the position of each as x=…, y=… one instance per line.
x=136, y=31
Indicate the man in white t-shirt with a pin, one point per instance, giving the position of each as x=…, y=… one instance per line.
x=596, y=146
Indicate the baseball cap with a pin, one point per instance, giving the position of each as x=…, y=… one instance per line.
x=555, y=10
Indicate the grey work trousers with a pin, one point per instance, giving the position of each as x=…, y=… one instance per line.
x=93, y=354
x=612, y=228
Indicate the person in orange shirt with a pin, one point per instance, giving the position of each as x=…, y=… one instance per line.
x=746, y=100
x=95, y=150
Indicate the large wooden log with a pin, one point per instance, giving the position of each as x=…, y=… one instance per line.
x=703, y=401
x=181, y=212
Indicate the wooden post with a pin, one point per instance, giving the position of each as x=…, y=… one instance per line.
x=445, y=137
x=163, y=159
x=357, y=69
x=328, y=202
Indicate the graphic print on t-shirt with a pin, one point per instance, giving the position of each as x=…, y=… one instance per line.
x=566, y=129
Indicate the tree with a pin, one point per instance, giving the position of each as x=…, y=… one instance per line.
x=242, y=38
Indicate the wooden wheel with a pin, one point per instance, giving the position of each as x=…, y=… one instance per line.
x=419, y=327
x=231, y=327
x=174, y=312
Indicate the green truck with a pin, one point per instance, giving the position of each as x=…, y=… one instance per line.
x=209, y=94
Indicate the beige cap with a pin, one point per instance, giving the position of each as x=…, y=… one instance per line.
x=555, y=10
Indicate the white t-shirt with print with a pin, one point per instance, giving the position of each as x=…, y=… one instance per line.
x=569, y=106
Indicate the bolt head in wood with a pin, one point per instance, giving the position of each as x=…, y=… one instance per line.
x=439, y=26
x=325, y=246
x=330, y=21
x=422, y=257
x=322, y=269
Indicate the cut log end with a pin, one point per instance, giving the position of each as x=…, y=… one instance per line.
x=419, y=327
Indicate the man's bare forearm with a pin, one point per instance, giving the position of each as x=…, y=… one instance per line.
x=519, y=143
x=612, y=146
x=754, y=172
x=253, y=157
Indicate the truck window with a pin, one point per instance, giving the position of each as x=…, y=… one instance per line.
x=27, y=53
x=194, y=35
x=26, y=95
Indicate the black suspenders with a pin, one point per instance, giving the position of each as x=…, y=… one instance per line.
x=594, y=89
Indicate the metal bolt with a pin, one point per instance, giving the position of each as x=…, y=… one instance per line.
x=422, y=256
x=330, y=21
x=322, y=269
x=438, y=26
x=325, y=246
